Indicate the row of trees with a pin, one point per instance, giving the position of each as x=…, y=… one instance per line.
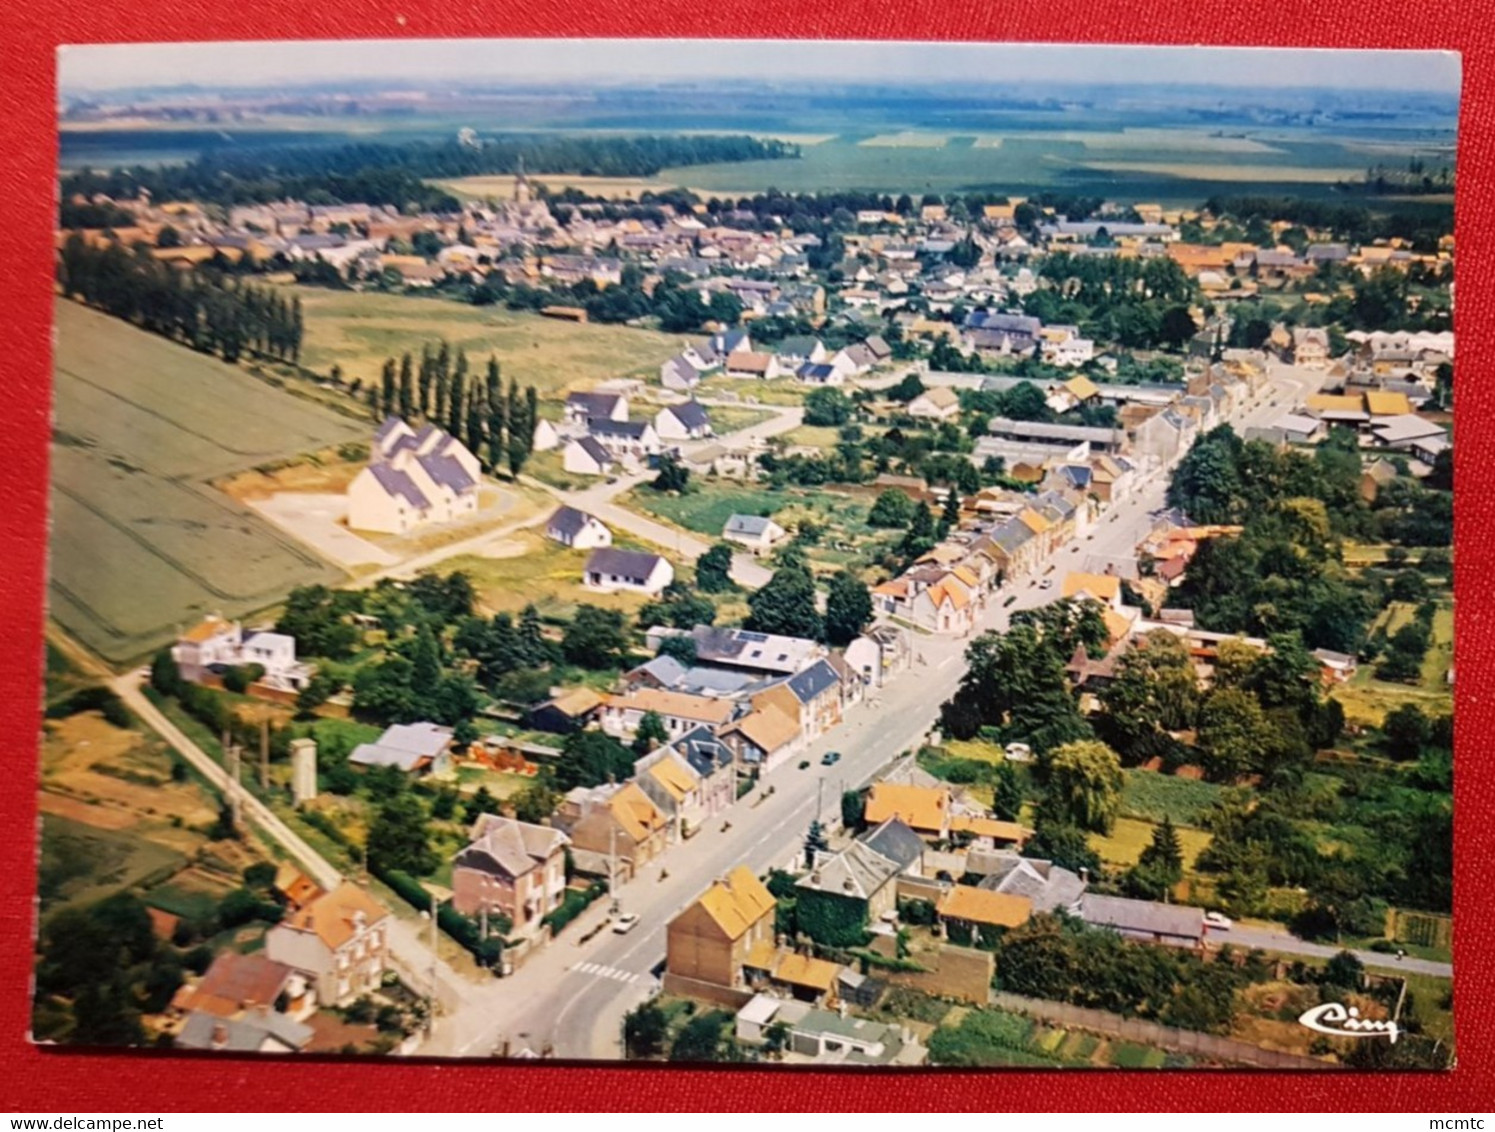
x=497, y=427
x=206, y=310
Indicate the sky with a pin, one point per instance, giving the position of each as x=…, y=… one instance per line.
x=102, y=67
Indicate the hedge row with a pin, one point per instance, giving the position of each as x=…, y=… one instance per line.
x=572, y=905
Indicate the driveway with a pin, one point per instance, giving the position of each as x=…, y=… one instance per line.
x=317, y=519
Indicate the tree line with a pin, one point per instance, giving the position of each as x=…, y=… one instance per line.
x=497, y=426
x=209, y=311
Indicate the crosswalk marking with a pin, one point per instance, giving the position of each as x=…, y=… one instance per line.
x=605, y=972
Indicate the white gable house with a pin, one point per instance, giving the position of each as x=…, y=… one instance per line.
x=413, y=479
x=577, y=529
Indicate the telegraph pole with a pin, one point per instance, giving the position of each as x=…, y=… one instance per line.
x=265, y=753
x=231, y=765
x=612, y=869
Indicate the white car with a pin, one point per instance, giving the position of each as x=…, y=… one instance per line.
x=1046, y=584
x=1216, y=920
x=625, y=923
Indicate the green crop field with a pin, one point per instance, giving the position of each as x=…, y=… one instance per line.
x=358, y=330
x=1150, y=796
x=140, y=542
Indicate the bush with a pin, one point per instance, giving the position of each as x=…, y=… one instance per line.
x=240, y=676
x=572, y=905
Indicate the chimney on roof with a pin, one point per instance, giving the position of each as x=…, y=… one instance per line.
x=220, y=1035
x=815, y=878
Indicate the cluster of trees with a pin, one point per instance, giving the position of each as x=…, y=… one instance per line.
x=497, y=427
x=101, y=967
x=1137, y=303
x=1352, y=223
x=786, y=603
x=1059, y=958
x=395, y=174
x=1285, y=573
x=206, y=310
x=1263, y=712
x=676, y=304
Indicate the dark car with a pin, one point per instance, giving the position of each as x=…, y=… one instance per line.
x=830, y=758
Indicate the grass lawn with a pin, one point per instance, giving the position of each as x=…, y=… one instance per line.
x=823, y=437
x=725, y=420
x=780, y=391
x=1149, y=795
x=1429, y=991
x=977, y=749
x=1129, y=837
x=358, y=330
x=706, y=508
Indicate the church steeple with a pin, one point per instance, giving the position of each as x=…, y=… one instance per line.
x=521, y=184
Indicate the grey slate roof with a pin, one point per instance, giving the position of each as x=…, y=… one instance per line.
x=798, y=346
x=395, y=482
x=752, y=526
x=630, y=430
x=692, y=414
x=241, y=1035
x=894, y=840
x=815, y=371
x=568, y=521
x=593, y=404
x=1022, y=325
x=403, y=745
x=705, y=753
x=857, y=872
x=591, y=446
x=813, y=682
x=447, y=471
x=1048, y=886
x=666, y=669
x=1144, y=916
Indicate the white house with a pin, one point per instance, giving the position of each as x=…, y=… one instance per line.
x=678, y=373
x=610, y=570
x=214, y=645
x=413, y=479
x=577, y=529
x=688, y=421
x=747, y=364
x=340, y=941
x=583, y=408
x=626, y=440
x=547, y=437
x=586, y=457
x=756, y=532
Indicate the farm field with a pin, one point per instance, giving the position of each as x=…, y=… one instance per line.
x=501, y=187
x=359, y=330
x=113, y=815
x=140, y=542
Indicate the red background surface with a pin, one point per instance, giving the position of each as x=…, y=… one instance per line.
x=54, y=1081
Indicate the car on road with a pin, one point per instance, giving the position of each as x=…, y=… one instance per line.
x=804, y=764
x=1218, y=921
x=1046, y=584
x=625, y=923
x=830, y=758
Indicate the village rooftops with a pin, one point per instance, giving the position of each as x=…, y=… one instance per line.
x=737, y=902
x=747, y=526
x=338, y=916
x=761, y=652
x=634, y=565
x=514, y=847
x=894, y=840
x=857, y=872
x=1144, y=917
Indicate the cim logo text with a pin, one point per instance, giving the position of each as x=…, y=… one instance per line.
x=1345, y=1022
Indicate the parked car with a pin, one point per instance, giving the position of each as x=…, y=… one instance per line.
x=830, y=758
x=625, y=923
x=1046, y=584
x=1218, y=921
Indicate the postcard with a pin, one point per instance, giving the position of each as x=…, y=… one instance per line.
x=804, y=553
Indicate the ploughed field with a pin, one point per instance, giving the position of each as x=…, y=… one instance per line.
x=140, y=543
